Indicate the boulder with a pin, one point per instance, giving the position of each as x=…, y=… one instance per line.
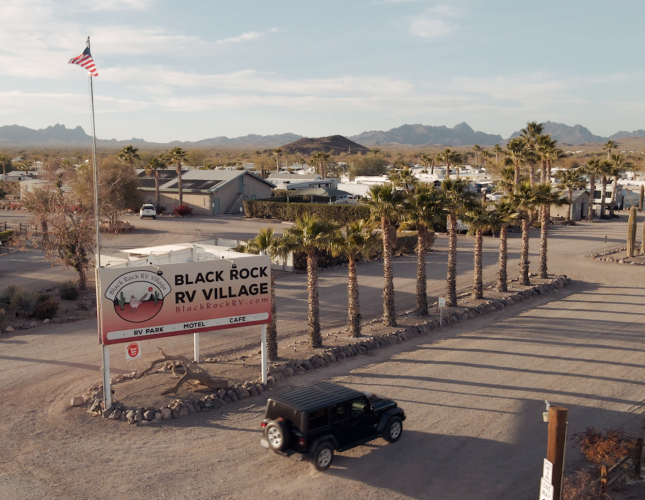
x=78, y=401
x=184, y=412
x=129, y=416
x=149, y=415
x=9, y=329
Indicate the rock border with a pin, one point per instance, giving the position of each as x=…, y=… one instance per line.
x=607, y=257
x=278, y=372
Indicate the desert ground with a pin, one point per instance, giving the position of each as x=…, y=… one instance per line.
x=473, y=393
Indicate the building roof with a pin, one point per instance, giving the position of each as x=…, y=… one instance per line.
x=322, y=192
x=146, y=181
x=290, y=176
x=207, y=180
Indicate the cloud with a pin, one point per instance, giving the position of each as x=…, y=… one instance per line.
x=437, y=21
x=19, y=102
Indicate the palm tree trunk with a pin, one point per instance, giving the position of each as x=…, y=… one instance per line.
x=570, y=209
x=181, y=193
x=613, y=197
x=451, y=281
x=548, y=171
x=157, y=187
x=389, y=314
x=543, y=172
x=354, y=309
x=313, y=331
x=478, y=285
x=502, y=285
x=603, y=195
x=517, y=175
x=592, y=188
x=524, y=261
x=272, y=331
x=422, y=294
x=544, y=227
x=532, y=174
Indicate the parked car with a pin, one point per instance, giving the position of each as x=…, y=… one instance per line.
x=312, y=422
x=148, y=210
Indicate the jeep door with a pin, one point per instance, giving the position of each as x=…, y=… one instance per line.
x=363, y=420
x=341, y=424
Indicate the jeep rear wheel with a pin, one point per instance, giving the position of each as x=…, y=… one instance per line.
x=324, y=456
x=393, y=429
x=277, y=435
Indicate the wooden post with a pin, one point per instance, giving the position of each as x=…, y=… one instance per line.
x=556, y=445
x=603, y=478
x=638, y=458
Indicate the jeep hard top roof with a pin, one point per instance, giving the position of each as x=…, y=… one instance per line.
x=316, y=396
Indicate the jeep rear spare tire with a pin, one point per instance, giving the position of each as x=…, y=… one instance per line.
x=393, y=429
x=324, y=456
x=277, y=435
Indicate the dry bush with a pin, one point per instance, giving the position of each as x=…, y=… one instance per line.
x=604, y=449
x=578, y=482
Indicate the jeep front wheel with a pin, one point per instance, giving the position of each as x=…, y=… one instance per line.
x=393, y=430
x=323, y=457
x=277, y=435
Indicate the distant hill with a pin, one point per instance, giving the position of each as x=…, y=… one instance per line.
x=426, y=135
x=57, y=134
x=567, y=134
x=336, y=143
x=626, y=135
x=266, y=141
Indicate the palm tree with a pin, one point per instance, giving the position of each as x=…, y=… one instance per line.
x=609, y=146
x=524, y=201
x=500, y=218
x=619, y=165
x=266, y=242
x=544, y=198
x=592, y=169
x=406, y=178
x=497, y=150
x=375, y=151
x=544, y=148
x=450, y=157
x=5, y=162
x=531, y=135
x=153, y=165
x=177, y=155
x=507, y=183
x=569, y=180
x=477, y=149
x=478, y=219
x=257, y=153
x=355, y=241
x=311, y=235
x=458, y=199
x=422, y=210
x=385, y=205
x=321, y=158
x=605, y=169
x=277, y=152
x=128, y=154
x=552, y=155
x=516, y=151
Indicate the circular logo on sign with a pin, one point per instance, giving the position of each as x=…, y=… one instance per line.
x=138, y=302
x=133, y=350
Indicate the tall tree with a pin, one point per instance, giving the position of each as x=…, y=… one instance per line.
x=545, y=196
x=497, y=150
x=128, y=154
x=458, y=199
x=277, y=152
x=177, y=155
x=609, y=146
x=356, y=240
x=570, y=180
x=478, y=219
x=524, y=201
x=450, y=157
x=5, y=163
x=268, y=242
x=605, y=168
x=618, y=166
x=385, y=205
x=516, y=154
x=477, y=149
x=152, y=167
x=310, y=235
x=500, y=218
x=321, y=158
x=422, y=210
x=544, y=148
x=592, y=170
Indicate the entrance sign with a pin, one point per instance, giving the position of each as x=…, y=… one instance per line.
x=184, y=298
x=442, y=302
x=132, y=351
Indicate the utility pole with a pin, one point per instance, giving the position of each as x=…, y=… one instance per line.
x=557, y=441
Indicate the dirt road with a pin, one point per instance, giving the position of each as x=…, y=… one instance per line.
x=473, y=394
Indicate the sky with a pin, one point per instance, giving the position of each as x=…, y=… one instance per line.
x=192, y=70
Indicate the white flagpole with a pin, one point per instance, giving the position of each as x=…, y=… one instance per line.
x=105, y=368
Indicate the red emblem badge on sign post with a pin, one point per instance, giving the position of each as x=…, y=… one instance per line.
x=132, y=351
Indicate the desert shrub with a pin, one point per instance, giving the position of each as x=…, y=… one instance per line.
x=182, y=210
x=604, y=449
x=69, y=291
x=6, y=236
x=160, y=209
x=46, y=309
x=338, y=214
x=24, y=302
x=8, y=293
x=574, y=485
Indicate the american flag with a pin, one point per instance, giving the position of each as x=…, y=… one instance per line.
x=85, y=60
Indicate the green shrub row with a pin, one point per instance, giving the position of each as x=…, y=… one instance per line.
x=338, y=214
x=6, y=235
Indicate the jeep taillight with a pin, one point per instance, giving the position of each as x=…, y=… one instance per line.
x=302, y=442
x=263, y=425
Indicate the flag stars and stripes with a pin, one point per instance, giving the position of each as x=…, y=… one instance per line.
x=85, y=60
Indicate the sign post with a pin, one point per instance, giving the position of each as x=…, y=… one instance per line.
x=442, y=304
x=264, y=355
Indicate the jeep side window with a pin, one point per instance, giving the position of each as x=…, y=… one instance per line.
x=318, y=419
x=359, y=406
x=338, y=413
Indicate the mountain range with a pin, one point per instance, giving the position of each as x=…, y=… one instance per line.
x=410, y=135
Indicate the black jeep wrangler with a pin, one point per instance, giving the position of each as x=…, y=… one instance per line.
x=312, y=422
